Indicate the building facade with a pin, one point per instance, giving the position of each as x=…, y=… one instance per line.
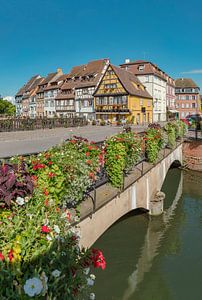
x=187, y=97
x=22, y=97
x=65, y=100
x=155, y=81
x=89, y=78
x=170, y=94
x=121, y=96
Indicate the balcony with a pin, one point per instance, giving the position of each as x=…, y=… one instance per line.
x=113, y=111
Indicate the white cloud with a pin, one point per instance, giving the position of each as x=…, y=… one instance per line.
x=197, y=71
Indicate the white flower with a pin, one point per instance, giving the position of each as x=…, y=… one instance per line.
x=56, y=273
x=92, y=296
x=57, y=229
x=86, y=271
x=48, y=237
x=30, y=216
x=92, y=276
x=33, y=286
x=90, y=282
x=20, y=201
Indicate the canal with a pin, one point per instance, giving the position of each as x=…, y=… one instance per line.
x=156, y=258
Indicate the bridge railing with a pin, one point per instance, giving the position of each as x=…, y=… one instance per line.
x=141, y=168
x=20, y=124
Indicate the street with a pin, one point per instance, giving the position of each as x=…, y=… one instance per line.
x=22, y=142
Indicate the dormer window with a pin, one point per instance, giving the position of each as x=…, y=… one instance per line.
x=141, y=68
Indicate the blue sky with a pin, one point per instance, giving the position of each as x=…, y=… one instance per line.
x=38, y=36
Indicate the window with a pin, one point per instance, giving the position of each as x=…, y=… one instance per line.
x=141, y=67
x=111, y=100
x=141, y=102
x=187, y=97
x=182, y=114
x=182, y=105
x=193, y=97
x=110, y=72
x=110, y=86
x=187, y=105
x=148, y=103
x=105, y=101
x=193, y=105
x=147, y=78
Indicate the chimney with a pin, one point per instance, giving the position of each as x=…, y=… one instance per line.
x=127, y=61
x=59, y=70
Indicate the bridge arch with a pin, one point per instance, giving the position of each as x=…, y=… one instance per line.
x=138, y=195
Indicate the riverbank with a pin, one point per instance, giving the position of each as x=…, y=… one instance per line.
x=192, y=155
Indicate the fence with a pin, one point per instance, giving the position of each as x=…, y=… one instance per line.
x=17, y=124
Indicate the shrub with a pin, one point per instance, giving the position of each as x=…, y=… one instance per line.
x=153, y=143
x=39, y=251
x=15, y=182
x=67, y=171
x=171, y=133
x=121, y=153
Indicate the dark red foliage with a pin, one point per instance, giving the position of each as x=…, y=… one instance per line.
x=14, y=181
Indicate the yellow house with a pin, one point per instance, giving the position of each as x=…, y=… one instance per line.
x=121, y=96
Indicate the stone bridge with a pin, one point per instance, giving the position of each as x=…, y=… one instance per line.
x=140, y=189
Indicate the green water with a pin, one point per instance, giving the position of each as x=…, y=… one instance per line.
x=158, y=258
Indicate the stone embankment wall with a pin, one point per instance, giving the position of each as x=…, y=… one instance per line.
x=192, y=155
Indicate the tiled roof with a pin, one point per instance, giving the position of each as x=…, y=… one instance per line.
x=70, y=85
x=130, y=81
x=35, y=84
x=185, y=83
x=48, y=78
x=149, y=68
x=23, y=89
x=89, y=74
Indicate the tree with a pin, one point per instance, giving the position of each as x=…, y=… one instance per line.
x=7, y=108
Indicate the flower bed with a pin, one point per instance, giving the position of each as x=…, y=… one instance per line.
x=39, y=199
x=121, y=153
x=39, y=252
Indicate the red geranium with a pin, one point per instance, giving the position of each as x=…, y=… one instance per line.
x=45, y=191
x=1, y=257
x=51, y=174
x=98, y=259
x=87, y=154
x=10, y=255
x=45, y=229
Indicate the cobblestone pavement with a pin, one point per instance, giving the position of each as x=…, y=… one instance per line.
x=22, y=142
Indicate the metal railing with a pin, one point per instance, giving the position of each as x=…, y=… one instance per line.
x=91, y=193
x=20, y=124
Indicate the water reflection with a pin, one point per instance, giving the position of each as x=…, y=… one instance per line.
x=157, y=228
x=132, y=244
